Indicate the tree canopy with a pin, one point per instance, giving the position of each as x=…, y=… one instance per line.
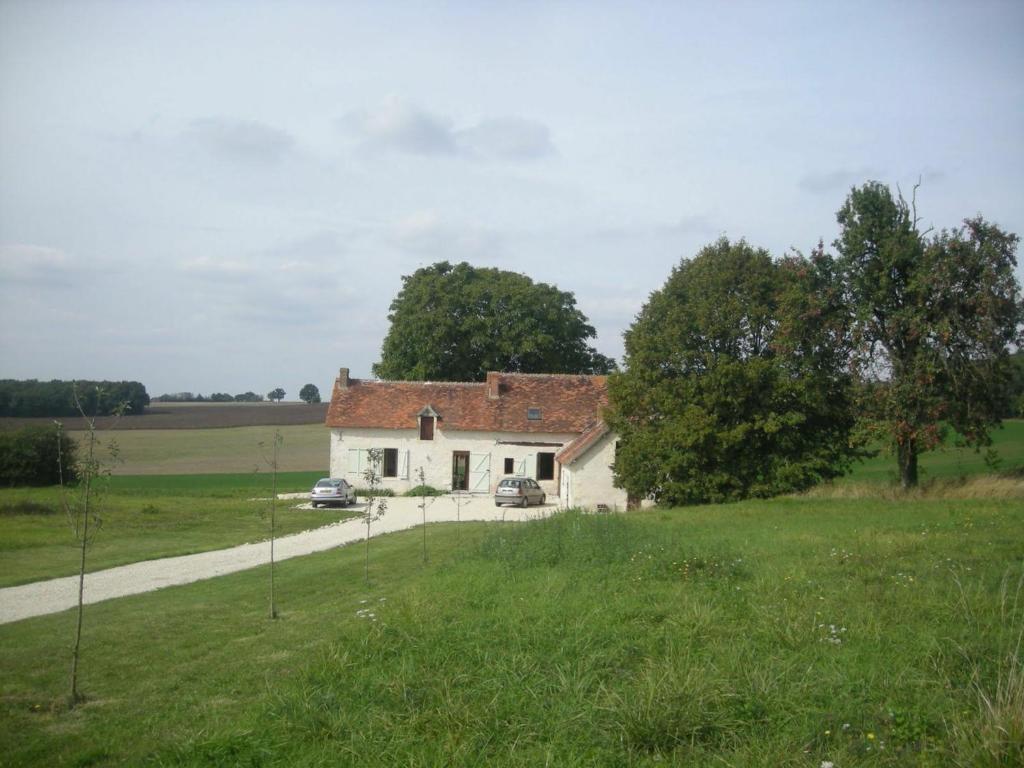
x=456, y=323
x=934, y=318
x=276, y=394
x=736, y=380
x=57, y=398
x=309, y=394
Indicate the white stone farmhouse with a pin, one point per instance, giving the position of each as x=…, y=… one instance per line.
x=468, y=436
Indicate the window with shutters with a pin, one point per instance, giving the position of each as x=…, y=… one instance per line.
x=390, y=463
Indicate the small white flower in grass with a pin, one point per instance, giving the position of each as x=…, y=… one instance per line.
x=827, y=764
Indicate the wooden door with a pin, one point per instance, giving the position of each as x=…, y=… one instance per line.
x=460, y=470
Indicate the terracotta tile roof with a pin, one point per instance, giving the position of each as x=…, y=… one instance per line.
x=583, y=443
x=566, y=403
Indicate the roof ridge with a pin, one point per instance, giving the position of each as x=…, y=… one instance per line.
x=554, y=375
x=484, y=383
x=432, y=383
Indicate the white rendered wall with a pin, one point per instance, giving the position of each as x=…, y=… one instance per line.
x=435, y=456
x=589, y=480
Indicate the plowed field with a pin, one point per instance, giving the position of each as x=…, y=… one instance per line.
x=197, y=416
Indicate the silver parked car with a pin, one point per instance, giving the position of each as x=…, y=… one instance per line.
x=521, y=491
x=331, y=490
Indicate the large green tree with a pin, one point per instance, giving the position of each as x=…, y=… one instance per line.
x=456, y=323
x=935, y=316
x=310, y=394
x=736, y=380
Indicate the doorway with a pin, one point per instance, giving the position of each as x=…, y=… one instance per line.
x=460, y=470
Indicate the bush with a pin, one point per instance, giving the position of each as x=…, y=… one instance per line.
x=424, y=490
x=29, y=457
x=364, y=492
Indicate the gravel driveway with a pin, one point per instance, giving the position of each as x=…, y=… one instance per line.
x=55, y=595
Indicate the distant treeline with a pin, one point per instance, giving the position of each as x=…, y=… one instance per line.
x=56, y=398
x=216, y=397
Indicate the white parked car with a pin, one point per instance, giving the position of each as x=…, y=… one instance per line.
x=521, y=491
x=331, y=490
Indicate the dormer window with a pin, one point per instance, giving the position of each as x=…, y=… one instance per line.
x=533, y=414
x=427, y=418
x=426, y=427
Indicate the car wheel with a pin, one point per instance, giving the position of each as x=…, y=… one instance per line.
x=543, y=498
x=497, y=503
x=525, y=502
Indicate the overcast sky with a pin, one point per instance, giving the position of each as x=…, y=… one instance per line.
x=224, y=196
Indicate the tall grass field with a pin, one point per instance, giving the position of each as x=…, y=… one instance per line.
x=792, y=632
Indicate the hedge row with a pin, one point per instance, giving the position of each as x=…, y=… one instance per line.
x=28, y=456
x=56, y=398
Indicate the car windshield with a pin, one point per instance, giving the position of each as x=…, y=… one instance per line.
x=326, y=484
x=510, y=483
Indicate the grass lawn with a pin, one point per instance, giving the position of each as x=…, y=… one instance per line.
x=789, y=632
x=145, y=518
x=949, y=461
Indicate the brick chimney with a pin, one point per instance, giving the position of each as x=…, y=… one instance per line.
x=493, y=385
x=343, y=378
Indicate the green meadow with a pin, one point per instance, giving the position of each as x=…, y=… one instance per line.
x=951, y=460
x=790, y=632
x=148, y=517
x=854, y=625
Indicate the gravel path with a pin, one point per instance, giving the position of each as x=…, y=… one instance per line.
x=55, y=595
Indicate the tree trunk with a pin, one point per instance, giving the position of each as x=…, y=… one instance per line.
x=273, y=532
x=75, y=697
x=84, y=541
x=907, y=456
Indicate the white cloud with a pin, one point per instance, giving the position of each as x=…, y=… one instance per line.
x=242, y=140
x=696, y=224
x=507, y=138
x=423, y=232
x=25, y=263
x=206, y=267
x=402, y=127
x=837, y=180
